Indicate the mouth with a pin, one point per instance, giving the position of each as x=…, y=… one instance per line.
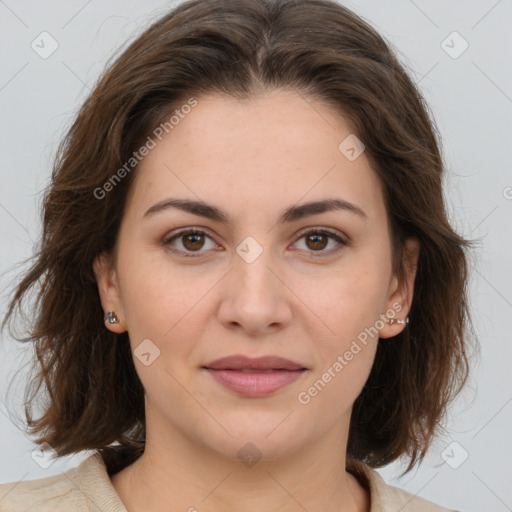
x=247, y=370
x=254, y=377
x=265, y=363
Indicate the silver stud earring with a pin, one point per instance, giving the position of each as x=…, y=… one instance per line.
x=392, y=321
x=111, y=318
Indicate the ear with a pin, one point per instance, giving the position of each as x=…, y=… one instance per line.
x=108, y=288
x=401, y=292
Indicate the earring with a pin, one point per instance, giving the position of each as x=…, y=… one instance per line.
x=111, y=318
x=392, y=321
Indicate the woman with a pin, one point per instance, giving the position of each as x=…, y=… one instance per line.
x=251, y=295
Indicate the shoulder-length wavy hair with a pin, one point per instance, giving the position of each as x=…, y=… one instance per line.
x=318, y=49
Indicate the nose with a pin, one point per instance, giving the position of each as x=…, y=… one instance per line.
x=256, y=297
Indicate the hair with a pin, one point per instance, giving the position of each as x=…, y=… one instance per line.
x=318, y=49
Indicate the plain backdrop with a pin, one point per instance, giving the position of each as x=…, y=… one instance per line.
x=459, y=54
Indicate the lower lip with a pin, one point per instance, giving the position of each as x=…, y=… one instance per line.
x=255, y=384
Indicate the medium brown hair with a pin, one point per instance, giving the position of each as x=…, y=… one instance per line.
x=318, y=49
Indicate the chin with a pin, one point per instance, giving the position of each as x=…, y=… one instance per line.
x=250, y=437
x=250, y=449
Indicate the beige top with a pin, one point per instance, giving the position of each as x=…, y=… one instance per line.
x=87, y=488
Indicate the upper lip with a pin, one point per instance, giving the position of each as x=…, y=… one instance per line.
x=240, y=362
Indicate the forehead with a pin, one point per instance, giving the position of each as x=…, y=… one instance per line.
x=274, y=148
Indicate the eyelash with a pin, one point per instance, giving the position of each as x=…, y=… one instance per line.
x=317, y=231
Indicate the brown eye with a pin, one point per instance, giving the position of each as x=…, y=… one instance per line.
x=317, y=241
x=193, y=242
x=190, y=243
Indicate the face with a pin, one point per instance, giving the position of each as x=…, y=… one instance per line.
x=310, y=286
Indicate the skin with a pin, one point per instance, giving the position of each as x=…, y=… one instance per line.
x=253, y=159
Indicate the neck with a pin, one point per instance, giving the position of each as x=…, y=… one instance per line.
x=192, y=477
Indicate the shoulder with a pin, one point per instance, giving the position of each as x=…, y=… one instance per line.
x=83, y=488
x=388, y=498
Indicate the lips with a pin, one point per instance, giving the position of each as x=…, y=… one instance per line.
x=254, y=377
x=262, y=364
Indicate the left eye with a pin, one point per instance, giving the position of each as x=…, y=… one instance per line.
x=317, y=240
x=193, y=240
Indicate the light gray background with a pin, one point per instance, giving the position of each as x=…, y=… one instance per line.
x=471, y=97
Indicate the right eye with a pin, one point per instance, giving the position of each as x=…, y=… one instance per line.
x=190, y=240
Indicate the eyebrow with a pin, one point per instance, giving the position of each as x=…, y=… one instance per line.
x=291, y=214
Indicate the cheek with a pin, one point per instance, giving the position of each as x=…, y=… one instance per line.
x=159, y=296
x=166, y=305
x=353, y=296
x=349, y=304
x=345, y=347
